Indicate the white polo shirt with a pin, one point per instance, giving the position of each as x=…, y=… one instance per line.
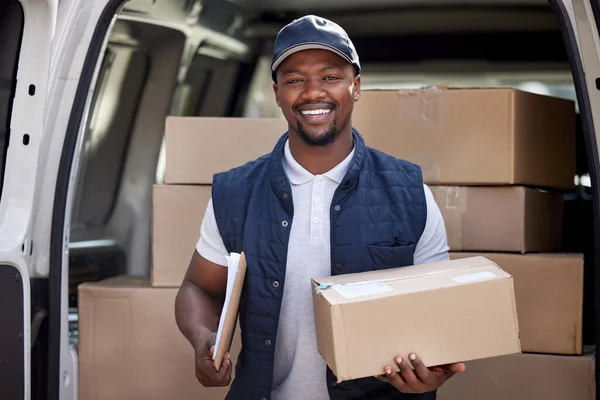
x=299, y=370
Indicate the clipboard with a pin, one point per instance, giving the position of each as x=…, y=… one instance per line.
x=235, y=282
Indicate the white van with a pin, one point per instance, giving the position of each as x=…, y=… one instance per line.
x=85, y=87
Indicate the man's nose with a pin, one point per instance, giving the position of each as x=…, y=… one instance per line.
x=314, y=89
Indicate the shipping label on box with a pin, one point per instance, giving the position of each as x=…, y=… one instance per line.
x=445, y=312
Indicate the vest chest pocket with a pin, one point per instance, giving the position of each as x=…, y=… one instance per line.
x=388, y=256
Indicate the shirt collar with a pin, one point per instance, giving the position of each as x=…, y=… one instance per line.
x=298, y=175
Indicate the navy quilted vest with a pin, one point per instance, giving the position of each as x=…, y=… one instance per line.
x=378, y=214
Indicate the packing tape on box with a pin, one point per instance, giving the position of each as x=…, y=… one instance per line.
x=429, y=168
x=362, y=288
x=423, y=105
x=427, y=110
x=450, y=198
x=452, y=201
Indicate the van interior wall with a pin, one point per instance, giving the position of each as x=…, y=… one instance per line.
x=578, y=235
x=157, y=63
x=122, y=78
x=110, y=231
x=131, y=219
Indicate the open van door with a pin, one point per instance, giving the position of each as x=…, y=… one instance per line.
x=580, y=25
x=48, y=101
x=43, y=48
x=26, y=31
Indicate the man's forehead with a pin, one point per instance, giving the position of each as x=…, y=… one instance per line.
x=314, y=59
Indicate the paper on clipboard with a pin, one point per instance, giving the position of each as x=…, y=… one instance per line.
x=236, y=272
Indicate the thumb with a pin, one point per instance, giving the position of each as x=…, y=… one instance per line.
x=457, y=367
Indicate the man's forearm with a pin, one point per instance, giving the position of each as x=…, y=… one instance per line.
x=196, y=312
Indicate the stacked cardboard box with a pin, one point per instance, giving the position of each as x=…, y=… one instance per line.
x=474, y=136
x=496, y=161
x=525, y=376
x=130, y=346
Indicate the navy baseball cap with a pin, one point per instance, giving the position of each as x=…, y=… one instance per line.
x=312, y=32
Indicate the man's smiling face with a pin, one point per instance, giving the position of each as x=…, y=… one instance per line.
x=316, y=90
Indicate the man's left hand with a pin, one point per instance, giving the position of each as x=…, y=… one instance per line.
x=420, y=379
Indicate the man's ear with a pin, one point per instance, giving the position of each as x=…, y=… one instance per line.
x=356, y=89
x=276, y=95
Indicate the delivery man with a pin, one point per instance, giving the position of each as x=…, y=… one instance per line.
x=321, y=203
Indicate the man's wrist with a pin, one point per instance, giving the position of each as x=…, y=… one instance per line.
x=200, y=338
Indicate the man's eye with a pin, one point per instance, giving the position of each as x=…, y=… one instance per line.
x=292, y=81
x=331, y=78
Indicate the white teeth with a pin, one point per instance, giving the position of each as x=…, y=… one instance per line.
x=315, y=112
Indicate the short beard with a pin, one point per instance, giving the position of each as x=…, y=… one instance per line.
x=322, y=140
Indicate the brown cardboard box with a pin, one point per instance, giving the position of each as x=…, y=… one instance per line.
x=198, y=147
x=473, y=136
x=130, y=346
x=508, y=218
x=445, y=312
x=524, y=376
x=549, y=295
x=177, y=214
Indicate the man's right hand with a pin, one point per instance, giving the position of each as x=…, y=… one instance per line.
x=198, y=308
x=206, y=373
